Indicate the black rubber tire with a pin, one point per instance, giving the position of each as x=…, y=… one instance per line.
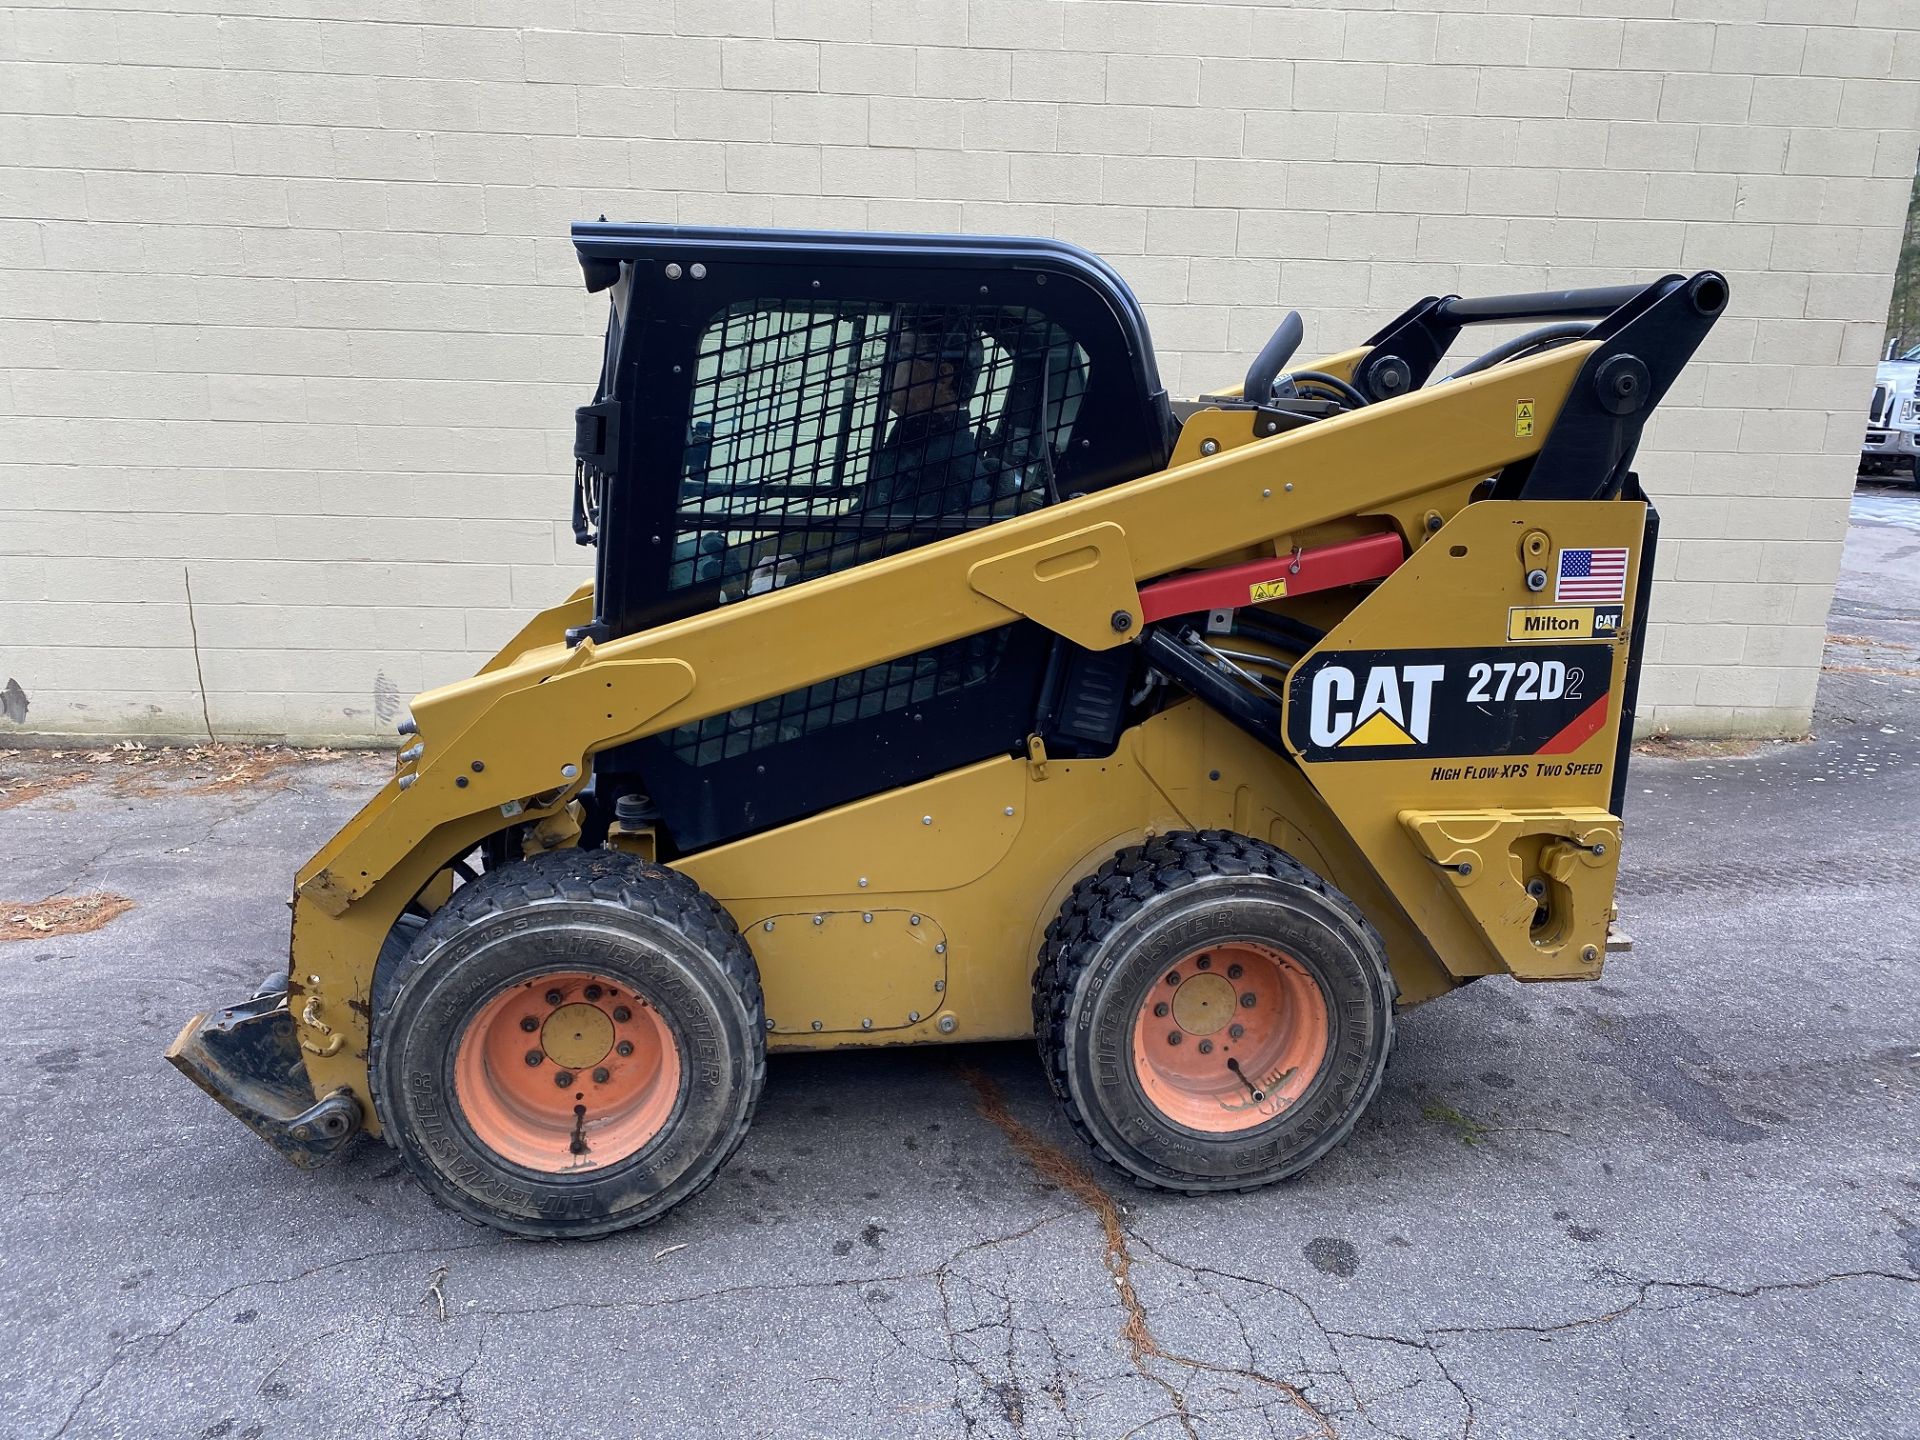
x=654, y=929
x=1145, y=909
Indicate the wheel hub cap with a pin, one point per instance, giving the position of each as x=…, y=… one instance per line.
x=577, y=1036
x=1204, y=1004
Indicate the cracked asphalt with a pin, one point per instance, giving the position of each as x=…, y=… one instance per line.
x=1683, y=1200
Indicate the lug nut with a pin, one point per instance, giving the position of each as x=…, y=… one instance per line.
x=1247, y=1000
x=1173, y=977
x=1206, y=1047
x=602, y=1075
x=554, y=997
x=529, y=1024
x=1173, y=1037
x=594, y=992
x=621, y=1014
x=563, y=1079
x=624, y=1048
x=1205, y=962
x=1160, y=1010
x=1236, y=1030
x=534, y=1057
x=1234, y=972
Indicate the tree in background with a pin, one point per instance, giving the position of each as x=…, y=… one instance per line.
x=1903, y=311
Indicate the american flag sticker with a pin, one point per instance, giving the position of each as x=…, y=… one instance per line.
x=1591, y=577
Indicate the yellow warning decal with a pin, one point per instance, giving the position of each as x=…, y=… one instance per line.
x=1563, y=622
x=1266, y=590
x=1523, y=418
x=1378, y=729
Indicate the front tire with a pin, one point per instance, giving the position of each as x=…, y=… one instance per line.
x=572, y=1045
x=1213, y=1015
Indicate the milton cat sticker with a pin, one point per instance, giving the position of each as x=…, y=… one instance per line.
x=1419, y=704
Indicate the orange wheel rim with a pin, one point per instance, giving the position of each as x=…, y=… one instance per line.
x=566, y=1072
x=1230, y=1037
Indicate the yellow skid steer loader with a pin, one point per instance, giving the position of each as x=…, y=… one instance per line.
x=940, y=680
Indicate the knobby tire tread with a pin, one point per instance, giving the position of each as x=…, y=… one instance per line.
x=1116, y=892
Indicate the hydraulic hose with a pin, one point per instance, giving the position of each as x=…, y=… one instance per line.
x=1331, y=382
x=1256, y=713
x=1281, y=630
x=1547, y=335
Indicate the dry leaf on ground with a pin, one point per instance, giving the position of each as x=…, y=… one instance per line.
x=62, y=915
x=147, y=770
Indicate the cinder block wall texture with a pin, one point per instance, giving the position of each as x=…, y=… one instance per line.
x=291, y=333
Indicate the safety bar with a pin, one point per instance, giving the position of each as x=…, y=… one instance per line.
x=1405, y=353
x=1594, y=301
x=1301, y=572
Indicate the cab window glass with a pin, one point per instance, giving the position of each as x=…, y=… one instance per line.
x=822, y=435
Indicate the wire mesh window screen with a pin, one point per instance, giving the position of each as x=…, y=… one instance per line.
x=823, y=435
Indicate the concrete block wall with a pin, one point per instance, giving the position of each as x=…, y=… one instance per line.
x=290, y=330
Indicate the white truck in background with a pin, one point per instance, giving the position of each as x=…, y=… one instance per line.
x=1892, y=443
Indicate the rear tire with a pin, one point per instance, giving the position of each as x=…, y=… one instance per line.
x=1183, y=1088
x=572, y=1045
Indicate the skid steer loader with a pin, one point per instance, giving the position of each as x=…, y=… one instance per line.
x=940, y=680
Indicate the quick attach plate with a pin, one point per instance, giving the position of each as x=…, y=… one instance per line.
x=247, y=1058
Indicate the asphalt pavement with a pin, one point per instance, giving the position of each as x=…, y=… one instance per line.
x=1681, y=1201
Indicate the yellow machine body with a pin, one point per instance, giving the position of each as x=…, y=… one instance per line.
x=914, y=916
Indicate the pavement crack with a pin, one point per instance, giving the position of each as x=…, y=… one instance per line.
x=1007, y=1394
x=1432, y=1341
x=86, y=869
x=159, y=1339
x=1136, y=1329
x=1645, y=1293
x=725, y=1291
x=446, y=1395
x=87, y=1394
x=1429, y=1348
x=665, y=1302
x=1332, y=1337
x=234, y=812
